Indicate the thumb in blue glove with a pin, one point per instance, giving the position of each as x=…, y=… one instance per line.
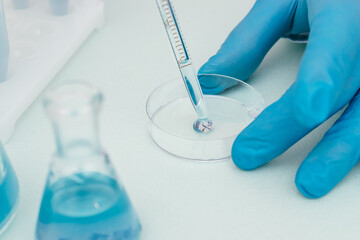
x=328, y=78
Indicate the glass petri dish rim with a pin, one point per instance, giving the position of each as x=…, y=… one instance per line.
x=248, y=86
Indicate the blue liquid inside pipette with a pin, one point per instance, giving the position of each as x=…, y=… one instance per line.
x=88, y=206
x=203, y=123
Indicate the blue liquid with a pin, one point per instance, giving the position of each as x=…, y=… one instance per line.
x=9, y=190
x=194, y=90
x=203, y=124
x=87, y=206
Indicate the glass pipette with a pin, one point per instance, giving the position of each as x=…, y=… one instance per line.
x=203, y=123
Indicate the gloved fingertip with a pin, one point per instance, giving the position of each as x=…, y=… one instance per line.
x=309, y=184
x=210, y=85
x=205, y=69
x=215, y=84
x=215, y=64
x=304, y=190
x=212, y=91
x=243, y=156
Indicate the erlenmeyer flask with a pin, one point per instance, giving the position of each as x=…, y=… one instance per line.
x=83, y=199
x=9, y=190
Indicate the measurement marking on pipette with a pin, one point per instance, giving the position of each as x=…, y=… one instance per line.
x=171, y=23
x=184, y=62
x=186, y=65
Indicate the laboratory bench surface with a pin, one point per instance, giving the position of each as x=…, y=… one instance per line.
x=177, y=198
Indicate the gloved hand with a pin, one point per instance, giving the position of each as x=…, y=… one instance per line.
x=328, y=79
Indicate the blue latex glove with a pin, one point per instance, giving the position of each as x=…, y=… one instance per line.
x=328, y=79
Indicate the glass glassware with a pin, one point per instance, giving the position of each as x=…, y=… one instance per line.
x=59, y=7
x=9, y=191
x=171, y=118
x=83, y=199
x=4, y=45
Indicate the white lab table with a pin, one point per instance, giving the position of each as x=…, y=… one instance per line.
x=177, y=198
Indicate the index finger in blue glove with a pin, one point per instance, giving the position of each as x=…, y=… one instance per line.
x=248, y=43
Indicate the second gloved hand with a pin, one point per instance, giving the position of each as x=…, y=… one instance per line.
x=328, y=79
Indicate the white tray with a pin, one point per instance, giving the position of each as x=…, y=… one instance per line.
x=40, y=45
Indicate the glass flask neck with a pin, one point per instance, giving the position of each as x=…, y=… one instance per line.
x=77, y=136
x=73, y=110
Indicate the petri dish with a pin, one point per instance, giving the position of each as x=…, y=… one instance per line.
x=171, y=117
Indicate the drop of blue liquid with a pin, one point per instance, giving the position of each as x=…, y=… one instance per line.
x=203, y=125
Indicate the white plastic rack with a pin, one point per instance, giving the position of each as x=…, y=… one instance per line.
x=40, y=44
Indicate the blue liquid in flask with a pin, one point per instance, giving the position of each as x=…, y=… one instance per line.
x=83, y=199
x=89, y=206
x=9, y=190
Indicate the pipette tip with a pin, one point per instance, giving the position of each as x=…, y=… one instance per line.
x=203, y=125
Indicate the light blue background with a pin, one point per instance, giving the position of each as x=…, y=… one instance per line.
x=177, y=198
